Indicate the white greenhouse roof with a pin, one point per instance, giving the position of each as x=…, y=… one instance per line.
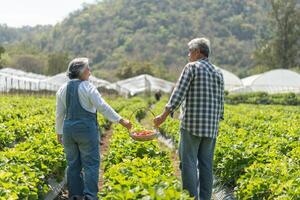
x=142, y=83
x=21, y=73
x=250, y=79
x=231, y=81
x=60, y=79
x=17, y=79
x=9, y=82
x=274, y=81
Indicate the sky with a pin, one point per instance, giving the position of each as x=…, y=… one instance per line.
x=18, y=13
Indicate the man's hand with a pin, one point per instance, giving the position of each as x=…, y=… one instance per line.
x=161, y=118
x=158, y=120
x=126, y=123
x=59, y=138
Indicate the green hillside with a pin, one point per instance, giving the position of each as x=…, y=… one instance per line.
x=112, y=32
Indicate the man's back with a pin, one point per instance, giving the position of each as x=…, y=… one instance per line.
x=203, y=106
x=201, y=90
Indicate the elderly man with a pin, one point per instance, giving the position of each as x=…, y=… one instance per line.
x=200, y=89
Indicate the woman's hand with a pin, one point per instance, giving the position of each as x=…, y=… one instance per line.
x=126, y=123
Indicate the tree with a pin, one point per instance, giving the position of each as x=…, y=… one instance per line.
x=2, y=51
x=29, y=63
x=134, y=68
x=282, y=51
x=109, y=31
x=57, y=63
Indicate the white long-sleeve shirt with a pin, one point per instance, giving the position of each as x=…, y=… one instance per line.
x=89, y=98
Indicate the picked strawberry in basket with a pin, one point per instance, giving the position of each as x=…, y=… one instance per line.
x=144, y=135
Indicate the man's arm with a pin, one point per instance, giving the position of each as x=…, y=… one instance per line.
x=222, y=100
x=178, y=94
x=181, y=89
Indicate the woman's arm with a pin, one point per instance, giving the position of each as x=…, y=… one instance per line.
x=60, y=115
x=106, y=109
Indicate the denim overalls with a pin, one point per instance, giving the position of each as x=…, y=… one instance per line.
x=81, y=144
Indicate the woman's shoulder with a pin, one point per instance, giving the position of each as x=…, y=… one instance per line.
x=61, y=89
x=87, y=83
x=88, y=86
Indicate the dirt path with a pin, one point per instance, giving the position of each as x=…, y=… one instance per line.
x=174, y=157
x=104, y=146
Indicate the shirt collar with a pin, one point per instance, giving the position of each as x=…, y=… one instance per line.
x=204, y=58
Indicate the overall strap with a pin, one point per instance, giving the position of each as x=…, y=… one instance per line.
x=72, y=99
x=74, y=108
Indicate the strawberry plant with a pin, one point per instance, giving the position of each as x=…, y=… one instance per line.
x=257, y=152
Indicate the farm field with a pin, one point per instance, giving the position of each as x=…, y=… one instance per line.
x=29, y=152
x=257, y=152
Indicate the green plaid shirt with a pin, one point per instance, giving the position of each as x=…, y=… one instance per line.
x=200, y=89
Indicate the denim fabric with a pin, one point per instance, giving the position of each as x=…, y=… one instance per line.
x=81, y=144
x=196, y=164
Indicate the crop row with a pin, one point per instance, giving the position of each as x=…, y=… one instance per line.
x=138, y=170
x=257, y=152
x=29, y=153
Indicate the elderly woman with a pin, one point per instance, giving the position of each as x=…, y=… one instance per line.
x=77, y=128
x=200, y=89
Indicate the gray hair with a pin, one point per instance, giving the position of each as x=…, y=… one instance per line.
x=203, y=44
x=76, y=67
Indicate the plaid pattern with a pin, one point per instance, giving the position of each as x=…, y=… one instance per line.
x=200, y=90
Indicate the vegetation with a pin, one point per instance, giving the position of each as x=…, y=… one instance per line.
x=135, y=170
x=116, y=32
x=2, y=51
x=280, y=49
x=257, y=156
x=29, y=153
x=263, y=98
x=258, y=150
x=57, y=62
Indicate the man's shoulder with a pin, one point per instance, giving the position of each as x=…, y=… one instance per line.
x=218, y=70
x=189, y=64
x=199, y=65
x=194, y=64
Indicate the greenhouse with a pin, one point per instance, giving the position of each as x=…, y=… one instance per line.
x=59, y=79
x=231, y=81
x=23, y=74
x=142, y=83
x=14, y=79
x=274, y=81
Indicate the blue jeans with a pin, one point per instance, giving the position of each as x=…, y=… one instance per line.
x=196, y=164
x=83, y=158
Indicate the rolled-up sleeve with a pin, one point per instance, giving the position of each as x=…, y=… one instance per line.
x=60, y=114
x=101, y=105
x=181, y=89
